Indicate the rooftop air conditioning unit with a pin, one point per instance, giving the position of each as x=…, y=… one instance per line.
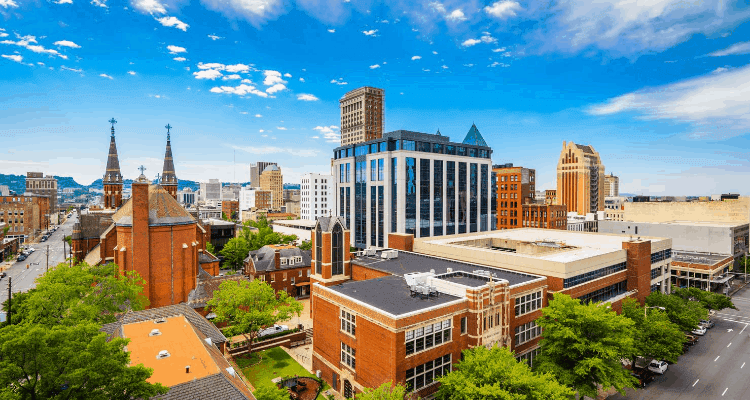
x=163, y=354
x=155, y=332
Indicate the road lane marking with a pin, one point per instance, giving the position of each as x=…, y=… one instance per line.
x=743, y=365
x=717, y=357
x=729, y=344
x=696, y=382
x=725, y=390
x=743, y=329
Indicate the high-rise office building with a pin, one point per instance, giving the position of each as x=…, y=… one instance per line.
x=272, y=180
x=316, y=192
x=580, y=179
x=255, y=171
x=611, y=185
x=414, y=183
x=362, y=115
x=515, y=187
x=210, y=190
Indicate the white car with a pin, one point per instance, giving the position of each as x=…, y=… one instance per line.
x=659, y=367
x=699, y=330
x=272, y=330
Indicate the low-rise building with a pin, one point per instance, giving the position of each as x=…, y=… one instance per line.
x=286, y=268
x=186, y=196
x=254, y=198
x=548, y=216
x=702, y=270
x=230, y=209
x=583, y=223
x=221, y=231
x=37, y=183
x=26, y=216
x=302, y=228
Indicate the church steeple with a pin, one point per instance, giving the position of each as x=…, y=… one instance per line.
x=168, y=179
x=112, y=180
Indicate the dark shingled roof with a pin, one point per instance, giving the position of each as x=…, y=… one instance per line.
x=264, y=258
x=206, y=257
x=213, y=387
x=207, y=284
x=326, y=223
x=206, y=328
x=390, y=294
x=585, y=148
x=163, y=209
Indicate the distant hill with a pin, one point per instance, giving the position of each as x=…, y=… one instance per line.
x=292, y=186
x=17, y=183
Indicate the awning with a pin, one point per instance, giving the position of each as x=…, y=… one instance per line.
x=302, y=284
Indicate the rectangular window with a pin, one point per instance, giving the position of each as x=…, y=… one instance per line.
x=347, y=355
x=424, y=197
x=348, y=173
x=408, y=145
x=528, y=303
x=291, y=280
x=394, y=197
x=427, y=373
x=342, y=176
x=381, y=215
x=273, y=277
x=373, y=170
x=381, y=168
x=348, y=322
x=411, y=196
x=605, y=293
x=473, y=200
x=464, y=327
x=450, y=197
x=483, y=198
x=462, y=198
x=437, y=197
x=526, y=332
x=529, y=356
x=373, y=215
x=590, y=276
x=426, y=337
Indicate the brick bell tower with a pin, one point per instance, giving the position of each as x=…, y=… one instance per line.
x=112, y=179
x=168, y=179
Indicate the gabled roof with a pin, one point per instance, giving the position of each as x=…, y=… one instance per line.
x=207, y=284
x=264, y=258
x=326, y=223
x=475, y=138
x=163, y=209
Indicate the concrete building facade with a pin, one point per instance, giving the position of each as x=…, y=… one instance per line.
x=611, y=185
x=210, y=190
x=580, y=179
x=255, y=171
x=254, y=198
x=38, y=184
x=362, y=115
x=186, y=196
x=316, y=196
x=516, y=186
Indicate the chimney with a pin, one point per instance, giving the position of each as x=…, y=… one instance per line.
x=277, y=258
x=187, y=369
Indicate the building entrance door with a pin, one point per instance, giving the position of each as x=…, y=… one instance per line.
x=348, y=389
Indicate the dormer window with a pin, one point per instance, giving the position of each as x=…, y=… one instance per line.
x=283, y=260
x=297, y=260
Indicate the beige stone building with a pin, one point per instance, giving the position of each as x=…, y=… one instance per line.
x=694, y=211
x=611, y=185
x=39, y=184
x=362, y=115
x=272, y=180
x=580, y=179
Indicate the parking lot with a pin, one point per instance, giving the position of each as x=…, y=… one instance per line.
x=717, y=367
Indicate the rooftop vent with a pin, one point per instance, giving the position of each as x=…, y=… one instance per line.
x=162, y=354
x=160, y=320
x=187, y=369
x=389, y=254
x=369, y=252
x=208, y=340
x=230, y=370
x=155, y=332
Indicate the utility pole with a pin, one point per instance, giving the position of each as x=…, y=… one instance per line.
x=10, y=301
x=47, y=258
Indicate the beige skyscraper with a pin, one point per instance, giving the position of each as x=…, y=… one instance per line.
x=272, y=180
x=611, y=185
x=580, y=179
x=362, y=115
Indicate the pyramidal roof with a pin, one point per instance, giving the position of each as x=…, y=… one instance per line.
x=168, y=176
x=112, y=173
x=163, y=209
x=474, y=137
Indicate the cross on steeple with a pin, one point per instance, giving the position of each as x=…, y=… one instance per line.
x=113, y=122
x=142, y=168
x=158, y=176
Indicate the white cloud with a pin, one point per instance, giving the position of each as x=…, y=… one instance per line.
x=214, y=37
x=444, y=67
x=67, y=43
x=439, y=7
x=237, y=68
x=149, y=6
x=456, y=15
x=258, y=116
x=332, y=30
x=498, y=64
x=306, y=97
x=215, y=66
x=280, y=150
x=261, y=131
x=425, y=70
x=99, y=3
x=255, y=11
x=131, y=72
x=3, y=34
x=230, y=77
x=8, y=3
x=735, y=49
x=248, y=81
x=106, y=76
x=64, y=2
x=180, y=59
x=26, y=42
x=416, y=58
x=716, y=105
x=331, y=134
x=64, y=68
x=176, y=49
x=501, y=49
x=281, y=128
x=13, y=57
x=434, y=52
x=468, y=65
x=470, y=42
x=207, y=74
x=487, y=38
x=173, y=22
x=372, y=32
x=301, y=79
x=272, y=77
x=374, y=66
x=340, y=81
x=240, y=90
x=287, y=75
x=276, y=88
x=503, y=9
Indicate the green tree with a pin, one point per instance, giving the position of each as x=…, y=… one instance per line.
x=69, y=240
x=709, y=300
x=584, y=345
x=235, y=252
x=655, y=335
x=386, y=391
x=495, y=374
x=745, y=265
x=69, y=362
x=305, y=245
x=210, y=248
x=263, y=235
x=685, y=313
x=271, y=393
x=249, y=306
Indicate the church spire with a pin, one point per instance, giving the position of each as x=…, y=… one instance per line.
x=112, y=179
x=168, y=179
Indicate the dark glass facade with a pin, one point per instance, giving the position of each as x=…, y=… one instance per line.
x=462, y=198
x=394, y=194
x=381, y=215
x=373, y=214
x=337, y=250
x=473, y=201
x=318, y=251
x=424, y=197
x=360, y=203
x=410, y=211
x=483, y=202
x=437, y=197
x=450, y=198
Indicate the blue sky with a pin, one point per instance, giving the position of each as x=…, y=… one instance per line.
x=660, y=88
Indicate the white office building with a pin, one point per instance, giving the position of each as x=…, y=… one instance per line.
x=316, y=196
x=210, y=190
x=414, y=183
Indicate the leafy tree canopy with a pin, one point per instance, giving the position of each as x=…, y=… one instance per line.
x=584, y=345
x=655, y=335
x=271, y=393
x=210, y=248
x=495, y=374
x=235, y=252
x=249, y=306
x=709, y=300
x=685, y=313
x=305, y=245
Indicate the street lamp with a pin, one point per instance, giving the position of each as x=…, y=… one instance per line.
x=646, y=308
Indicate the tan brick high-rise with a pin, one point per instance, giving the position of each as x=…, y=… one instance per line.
x=362, y=115
x=580, y=179
x=272, y=180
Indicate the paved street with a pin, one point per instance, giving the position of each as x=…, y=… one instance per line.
x=717, y=367
x=24, y=279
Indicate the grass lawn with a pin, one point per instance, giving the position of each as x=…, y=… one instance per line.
x=276, y=362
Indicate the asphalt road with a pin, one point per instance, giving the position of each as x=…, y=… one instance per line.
x=24, y=279
x=717, y=367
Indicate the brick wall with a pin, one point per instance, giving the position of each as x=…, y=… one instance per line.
x=639, y=267
x=401, y=241
x=360, y=273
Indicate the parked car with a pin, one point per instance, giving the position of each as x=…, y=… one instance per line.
x=659, y=367
x=22, y=257
x=272, y=330
x=31, y=250
x=691, y=340
x=707, y=324
x=644, y=376
x=2, y=274
x=699, y=330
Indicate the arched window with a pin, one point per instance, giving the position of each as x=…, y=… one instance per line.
x=337, y=250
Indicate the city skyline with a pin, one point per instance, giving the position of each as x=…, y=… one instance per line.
x=263, y=83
